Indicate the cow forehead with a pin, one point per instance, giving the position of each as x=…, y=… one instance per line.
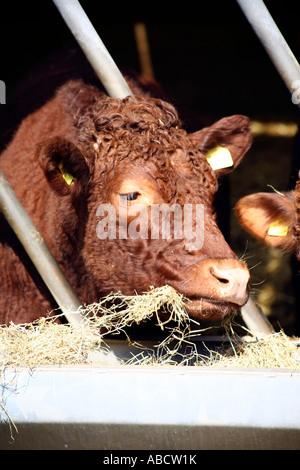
x=163, y=163
x=147, y=134
x=172, y=179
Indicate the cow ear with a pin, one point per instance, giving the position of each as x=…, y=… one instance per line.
x=270, y=217
x=64, y=165
x=225, y=143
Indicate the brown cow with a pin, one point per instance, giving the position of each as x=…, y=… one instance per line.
x=83, y=151
x=273, y=218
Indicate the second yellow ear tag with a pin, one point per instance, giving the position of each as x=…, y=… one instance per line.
x=219, y=157
x=66, y=176
x=278, y=229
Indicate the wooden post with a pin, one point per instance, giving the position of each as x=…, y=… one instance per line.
x=143, y=48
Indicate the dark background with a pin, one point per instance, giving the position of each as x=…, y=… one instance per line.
x=205, y=54
x=210, y=62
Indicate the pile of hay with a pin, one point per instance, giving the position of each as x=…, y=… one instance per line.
x=270, y=352
x=47, y=342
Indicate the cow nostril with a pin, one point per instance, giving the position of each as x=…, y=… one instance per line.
x=219, y=277
x=223, y=281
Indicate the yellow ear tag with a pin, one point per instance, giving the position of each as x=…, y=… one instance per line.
x=219, y=157
x=66, y=176
x=278, y=229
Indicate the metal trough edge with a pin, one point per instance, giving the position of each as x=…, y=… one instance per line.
x=151, y=408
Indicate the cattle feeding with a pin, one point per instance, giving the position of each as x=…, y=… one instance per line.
x=273, y=218
x=82, y=150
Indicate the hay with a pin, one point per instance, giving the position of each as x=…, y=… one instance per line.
x=270, y=352
x=43, y=342
x=47, y=342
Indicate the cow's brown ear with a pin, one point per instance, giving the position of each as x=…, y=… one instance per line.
x=270, y=217
x=225, y=143
x=64, y=165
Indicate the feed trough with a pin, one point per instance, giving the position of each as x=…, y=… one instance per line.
x=181, y=392
x=151, y=408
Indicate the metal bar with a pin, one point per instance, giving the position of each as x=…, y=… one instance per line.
x=94, y=49
x=39, y=253
x=271, y=38
x=255, y=320
x=287, y=66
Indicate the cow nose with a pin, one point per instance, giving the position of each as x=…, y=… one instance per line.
x=231, y=283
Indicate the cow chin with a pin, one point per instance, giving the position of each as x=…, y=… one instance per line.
x=205, y=309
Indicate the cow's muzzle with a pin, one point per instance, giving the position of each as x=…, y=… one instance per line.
x=215, y=287
x=231, y=283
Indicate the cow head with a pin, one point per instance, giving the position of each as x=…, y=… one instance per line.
x=273, y=218
x=124, y=159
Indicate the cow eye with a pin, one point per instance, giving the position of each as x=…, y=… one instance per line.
x=130, y=196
